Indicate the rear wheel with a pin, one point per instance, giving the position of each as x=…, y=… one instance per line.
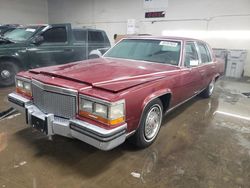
x=209, y=90
x=150, y=124
x=8, y=71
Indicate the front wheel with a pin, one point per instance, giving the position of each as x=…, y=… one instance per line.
x=209, y=90
x=8, y=71
x=150, y=124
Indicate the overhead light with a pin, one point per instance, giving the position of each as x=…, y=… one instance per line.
x=232, y=115
x=214, y=34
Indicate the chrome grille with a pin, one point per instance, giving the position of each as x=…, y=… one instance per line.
x=62, y=105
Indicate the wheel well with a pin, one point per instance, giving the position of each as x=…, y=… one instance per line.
x=12, y=59
x=216, y=78
x=165, y=99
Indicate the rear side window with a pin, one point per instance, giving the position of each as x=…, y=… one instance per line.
x=80, y=35
x=55, y=35
x=95, y=36
x=205, y=55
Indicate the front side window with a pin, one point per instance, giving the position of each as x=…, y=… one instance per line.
x=191, y=55
x=55, y=35
x=159, y=51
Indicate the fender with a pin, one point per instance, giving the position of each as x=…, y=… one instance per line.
x=148, y=99
x=14, y=59
x=155, y=95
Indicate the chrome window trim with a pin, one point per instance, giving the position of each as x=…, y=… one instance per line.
x=55, y=89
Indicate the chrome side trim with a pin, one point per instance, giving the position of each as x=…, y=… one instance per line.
x=55, y=89
x=181, y=103
x=130, y=133
x=98, y=130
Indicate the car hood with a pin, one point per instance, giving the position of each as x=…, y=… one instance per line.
x=108, y=73
x=7, y=44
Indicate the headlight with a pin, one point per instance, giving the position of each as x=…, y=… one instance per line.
x=116, y=111
x=23, y=87
x=86, y=105
x=102, y=111
x=27, y=86
x=19, y=83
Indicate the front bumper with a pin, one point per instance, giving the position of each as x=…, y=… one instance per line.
x=49, y=124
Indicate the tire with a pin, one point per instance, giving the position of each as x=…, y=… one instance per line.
x=209, y=89
x=8, y=70
x=146, y=134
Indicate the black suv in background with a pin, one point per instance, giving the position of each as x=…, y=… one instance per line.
x=45, y=45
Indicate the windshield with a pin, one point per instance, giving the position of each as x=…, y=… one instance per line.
x=21, y=34
x=160, y=51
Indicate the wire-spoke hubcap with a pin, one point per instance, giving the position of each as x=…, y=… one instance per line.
x=153, y=122
x=5, y=74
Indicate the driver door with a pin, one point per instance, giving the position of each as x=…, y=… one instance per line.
x=53, y=50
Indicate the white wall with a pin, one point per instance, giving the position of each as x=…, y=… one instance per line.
x=23, y=11
x=199, y=15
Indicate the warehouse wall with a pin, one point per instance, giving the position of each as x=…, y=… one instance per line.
x=23, y=11
x=190, y=15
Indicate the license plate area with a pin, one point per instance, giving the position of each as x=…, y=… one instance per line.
x=40, y=124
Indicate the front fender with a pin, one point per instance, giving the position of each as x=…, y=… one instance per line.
x=16, y=55
x=13, y=58
x=155, y=95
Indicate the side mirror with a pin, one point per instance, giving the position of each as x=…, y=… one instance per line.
x=38, y=40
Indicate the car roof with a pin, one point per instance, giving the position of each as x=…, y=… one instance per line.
x=164, y=38
x=89, y=29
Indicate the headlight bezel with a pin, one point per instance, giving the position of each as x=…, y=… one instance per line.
x=21, y=86
x=97, y=116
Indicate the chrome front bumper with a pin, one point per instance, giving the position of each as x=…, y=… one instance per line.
x=49, y=124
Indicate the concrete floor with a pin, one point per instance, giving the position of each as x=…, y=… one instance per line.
x=203, y=143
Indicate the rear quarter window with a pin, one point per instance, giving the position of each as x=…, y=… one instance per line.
x=204, y=52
